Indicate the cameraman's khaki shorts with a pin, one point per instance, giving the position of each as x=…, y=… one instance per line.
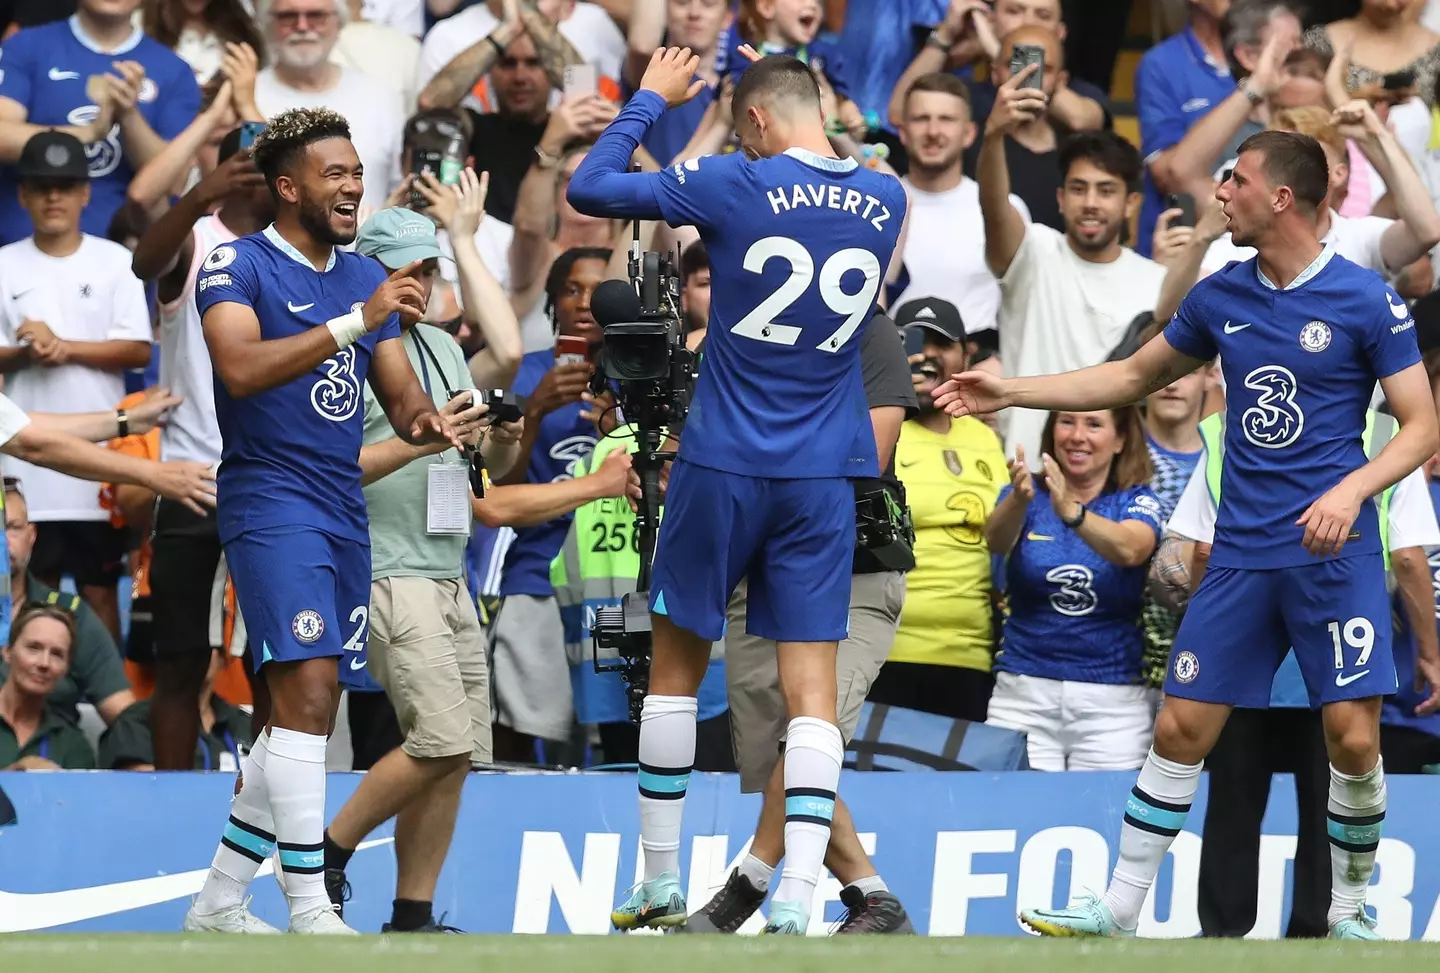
x=428, y=651
x=752, y=675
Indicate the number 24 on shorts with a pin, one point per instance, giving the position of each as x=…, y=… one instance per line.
x=1358, y=633
x=760, y=324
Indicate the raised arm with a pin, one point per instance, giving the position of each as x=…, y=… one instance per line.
x=1417, y=228
x=455, y=80
x=1004, y=226
x=157, y=178
x=555, y=52
x=1106, y=386
x=643, y=38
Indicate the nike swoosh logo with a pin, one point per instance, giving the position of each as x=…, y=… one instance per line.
x=19, y=294
x=57, y=75
x=21, y=911
x=906, y=465
x=297, y=308
x=356, y=665
x=1032, y=536
x=1232, y=328
x=1400, y=311
x=1343, y=681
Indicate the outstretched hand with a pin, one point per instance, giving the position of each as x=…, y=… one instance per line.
x=971, y=394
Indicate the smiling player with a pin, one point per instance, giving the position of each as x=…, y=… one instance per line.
x=1302, y=336
x=294, y=326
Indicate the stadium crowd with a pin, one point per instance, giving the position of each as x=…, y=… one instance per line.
x=1057, y=218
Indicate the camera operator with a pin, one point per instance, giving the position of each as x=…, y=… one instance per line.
x=533, y=697
x=758, y=717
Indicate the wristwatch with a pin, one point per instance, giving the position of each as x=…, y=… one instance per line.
x=1250, y=93
x=1079, y=519
x=122, y=420
x=545, y=159
x=939, y=41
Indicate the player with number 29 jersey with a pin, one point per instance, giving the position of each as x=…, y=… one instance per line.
x=798, y=246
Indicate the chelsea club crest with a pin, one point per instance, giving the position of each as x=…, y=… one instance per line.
x=1315, y=336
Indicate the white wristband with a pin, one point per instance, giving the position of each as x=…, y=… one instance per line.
x=348, y=328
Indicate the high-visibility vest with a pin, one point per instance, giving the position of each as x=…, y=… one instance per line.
x=1379, y=430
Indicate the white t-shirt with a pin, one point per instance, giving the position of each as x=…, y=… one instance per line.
x=192, y=432
x=405, y=15
x=1059, y=312
x=590, y=29
x=1412, y=516
x=1356, y=238
x=493, y=241
x=945, y=252
x=377, y=122
x=91, y=295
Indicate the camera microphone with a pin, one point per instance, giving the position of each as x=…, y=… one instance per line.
x=614, y=302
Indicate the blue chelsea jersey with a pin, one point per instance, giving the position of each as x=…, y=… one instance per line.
x=1073, y=614
x=291, y=455
x=1300, y=368
x=45, y=68
x=798, y=245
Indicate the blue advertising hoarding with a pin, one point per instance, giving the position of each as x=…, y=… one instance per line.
x=551, y=853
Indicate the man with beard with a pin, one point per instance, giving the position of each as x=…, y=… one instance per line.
x=294, y=326
x=1065, y=299
x=945, y=247
x=953, y=470
x=301, y=34
x=186, y=547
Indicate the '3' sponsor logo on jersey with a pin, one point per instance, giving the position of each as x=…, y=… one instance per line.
x=1275, y=420
x=337, y=395
x=1077, y=589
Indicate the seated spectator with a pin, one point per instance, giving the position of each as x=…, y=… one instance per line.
x=95, y=672
x=148, y=96
x=970, y=36
x=793, y=27
x=696, y=24
x=302, y=35
x=33, y=734
x=385, y=51
x=200, y=30
x=76, y=322
x=953, y=470
x=945, y=239
x=224, y=733
x=455, y=59
x=1077, y=542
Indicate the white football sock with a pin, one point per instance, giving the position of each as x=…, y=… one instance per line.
x=870, y=885
x=1356, y=815
x=248, y=839
x=757, y=872
x=814, y=751
x=295, y=772
x=1154, y=815
x=667, y=755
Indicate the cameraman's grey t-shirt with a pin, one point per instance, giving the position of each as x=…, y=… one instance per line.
x=886, y=373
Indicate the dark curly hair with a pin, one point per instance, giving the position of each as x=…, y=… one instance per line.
x=289, y=133
x=560, y=273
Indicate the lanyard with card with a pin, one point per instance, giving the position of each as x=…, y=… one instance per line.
x=449, y=485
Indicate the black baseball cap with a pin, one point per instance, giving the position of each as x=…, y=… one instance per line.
x=53, y=155
x=935, y=313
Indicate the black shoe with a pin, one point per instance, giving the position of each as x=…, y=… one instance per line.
x=878, y=913
x=431, y=926
x=338, y=889
x=736, y=901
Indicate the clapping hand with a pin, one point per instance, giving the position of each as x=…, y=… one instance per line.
x=1064, y=505
x=1020, y=478
x=458, y=208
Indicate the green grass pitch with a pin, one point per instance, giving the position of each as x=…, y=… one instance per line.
x=60, y=953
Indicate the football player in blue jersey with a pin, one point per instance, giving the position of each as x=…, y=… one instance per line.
x=1302, y=335
x=797, y=242
x=294, y=326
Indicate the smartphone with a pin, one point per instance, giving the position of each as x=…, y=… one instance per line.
x=580, y=80
x=1022, y=55
x=914, y=341
x=571, y=349
x=249, y=131
x=1185, y=203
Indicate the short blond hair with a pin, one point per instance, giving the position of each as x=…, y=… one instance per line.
x=1313, y=121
